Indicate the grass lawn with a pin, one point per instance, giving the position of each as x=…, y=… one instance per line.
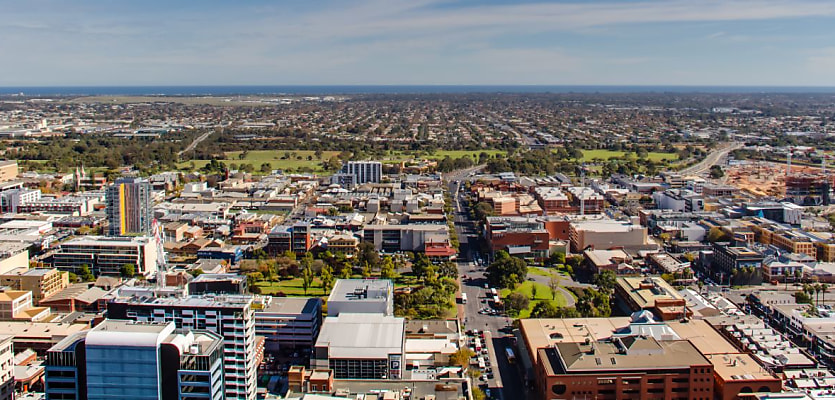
x=441, y=154
x=541, y=271
x=297, y=159
x=543, y=293
x=292, y=287
x=588, y=155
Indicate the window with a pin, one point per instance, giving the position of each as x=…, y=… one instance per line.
x=558, y=389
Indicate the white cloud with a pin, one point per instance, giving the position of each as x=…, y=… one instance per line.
x=363, y=41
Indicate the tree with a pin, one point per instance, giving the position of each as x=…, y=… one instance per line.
x=387, y=270
x=593, y=303
x=461, y=357
x=366, y=271
x=533, y=291
x=368, y=254
x=307, y=279
x=717, y=234
x=553, y=285
x=547, y=309
x=85, y=274
x=716, y=172
x=556, y=259
x=448, y=269
x=824, y=287
x=516, y=302
x=478, y=394
x=420, y=264
x=481, y=211
x=195, y=272
x=127, y=270
x=574, y=261
x=346, y=272
x=327, y=278
x=507, y=271
x=801, y=297
x=606, y=281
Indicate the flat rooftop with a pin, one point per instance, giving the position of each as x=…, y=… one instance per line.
x=202, y=278
x=645, y=291
x=361, y=336
x=703, y=336
x=292, y=305
x=116, y=325
x=630, y=353
x=738, y=367
x=541, y=333
x=40, y=330
x=605, y=226
x=370, y=290
x=107, y=241
x=208, y=301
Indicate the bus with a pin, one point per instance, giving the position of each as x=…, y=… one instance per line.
x=463, y=298
x=511, y=358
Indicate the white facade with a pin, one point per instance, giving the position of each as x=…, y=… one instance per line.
x=6, y=367
x=364, y=171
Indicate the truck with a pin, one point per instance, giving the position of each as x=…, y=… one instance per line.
x=463, y=298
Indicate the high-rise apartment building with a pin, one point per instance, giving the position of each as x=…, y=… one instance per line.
x=364, y=171
x=121, y=359
x=230, y=316
x=129, y=207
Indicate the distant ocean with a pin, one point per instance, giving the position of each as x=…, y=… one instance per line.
x=383, y=89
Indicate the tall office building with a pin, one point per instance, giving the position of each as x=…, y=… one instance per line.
x=230, y=316
x=364, y=171
x=129, y=207
x=128, y=360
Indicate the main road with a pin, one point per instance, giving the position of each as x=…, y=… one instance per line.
x=506, y=382
x=196, y=141
x=712, y=159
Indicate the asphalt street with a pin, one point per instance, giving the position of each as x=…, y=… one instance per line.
x=507, y=383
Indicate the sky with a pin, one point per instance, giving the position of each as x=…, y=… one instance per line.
x=417, y=42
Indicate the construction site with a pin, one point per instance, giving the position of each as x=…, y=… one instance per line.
x=800, y=184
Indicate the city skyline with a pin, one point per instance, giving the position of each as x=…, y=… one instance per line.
x=426, y=42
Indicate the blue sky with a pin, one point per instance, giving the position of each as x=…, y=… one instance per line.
x=403, y=42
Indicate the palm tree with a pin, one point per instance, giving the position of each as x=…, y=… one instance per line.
x=823, y=292
x=786, y=278
x=817, y=288
x=807, y=289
